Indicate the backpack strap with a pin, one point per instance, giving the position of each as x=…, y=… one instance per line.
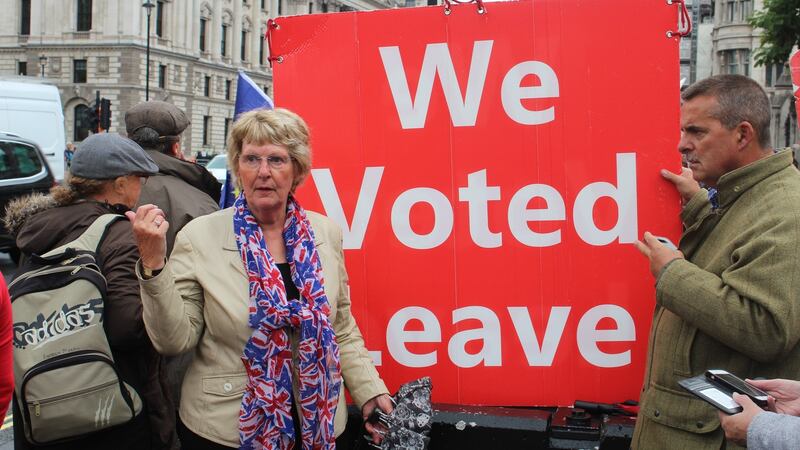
x=91, y=239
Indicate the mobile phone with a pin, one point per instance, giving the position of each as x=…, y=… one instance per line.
x=715, y=395
x=667, y=243
x=736, y=384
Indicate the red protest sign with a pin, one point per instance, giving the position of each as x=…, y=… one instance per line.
x=490, y=172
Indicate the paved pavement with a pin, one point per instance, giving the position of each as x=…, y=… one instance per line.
x=6, y=431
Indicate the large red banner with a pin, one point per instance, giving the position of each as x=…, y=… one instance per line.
x=491, y=172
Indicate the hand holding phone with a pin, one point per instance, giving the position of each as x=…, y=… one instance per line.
x=736, y=384
x=717, y=388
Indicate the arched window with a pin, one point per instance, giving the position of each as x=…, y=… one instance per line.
x=82, y=115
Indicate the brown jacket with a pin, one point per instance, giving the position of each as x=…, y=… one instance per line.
x=200, y=301
x=42, y=226
x=183, y=190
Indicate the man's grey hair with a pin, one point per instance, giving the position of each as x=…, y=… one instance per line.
x=739, y=99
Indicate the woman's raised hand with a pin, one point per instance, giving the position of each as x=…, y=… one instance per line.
x=150, y=229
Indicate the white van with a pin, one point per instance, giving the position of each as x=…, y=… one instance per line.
x=32, y=109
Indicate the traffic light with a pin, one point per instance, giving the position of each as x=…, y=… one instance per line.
x=105, y=114
x=93, y=118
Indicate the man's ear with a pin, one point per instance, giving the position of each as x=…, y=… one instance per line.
x=745, y=134
x=176, y=150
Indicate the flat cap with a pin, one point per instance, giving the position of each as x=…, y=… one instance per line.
x=104, y=156
x=166, y=118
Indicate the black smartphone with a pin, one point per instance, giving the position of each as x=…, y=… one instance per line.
x=736, y=384
x=716, y=395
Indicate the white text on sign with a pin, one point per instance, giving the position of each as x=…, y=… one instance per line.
x=478, y=195
x=464, y=111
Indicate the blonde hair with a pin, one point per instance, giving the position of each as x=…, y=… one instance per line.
x=276, y=126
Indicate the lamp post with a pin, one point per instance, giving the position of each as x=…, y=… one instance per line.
x=43, y=63
x=148, y=5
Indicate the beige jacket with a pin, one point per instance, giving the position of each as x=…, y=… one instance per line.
x=200, y=301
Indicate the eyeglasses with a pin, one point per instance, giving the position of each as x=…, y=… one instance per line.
x=142, y=178
x=253, y=162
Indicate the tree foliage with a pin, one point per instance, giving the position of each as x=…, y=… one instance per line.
x=780, y=20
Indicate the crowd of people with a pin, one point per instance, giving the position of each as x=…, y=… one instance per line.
x=234, y=325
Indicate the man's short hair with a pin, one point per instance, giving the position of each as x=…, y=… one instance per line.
x=148, y=138
x=739, y=99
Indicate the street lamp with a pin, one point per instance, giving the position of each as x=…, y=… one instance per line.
x=42, y=62
x=148, y=5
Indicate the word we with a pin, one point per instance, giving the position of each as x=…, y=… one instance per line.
x=464, y=111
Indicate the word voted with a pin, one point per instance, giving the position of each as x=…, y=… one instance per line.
x=538, y=352
x=464, y=110
x=477, y=195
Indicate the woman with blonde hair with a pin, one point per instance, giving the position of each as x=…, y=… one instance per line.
x=259, y=292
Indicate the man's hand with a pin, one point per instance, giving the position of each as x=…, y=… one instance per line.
x=735, y=426
x=150, y=229
x=384, y=402
x=684, y=183
x=784, y=395
x=657, y=252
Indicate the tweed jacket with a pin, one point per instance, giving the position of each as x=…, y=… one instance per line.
x=200, y=301
x=733, y=303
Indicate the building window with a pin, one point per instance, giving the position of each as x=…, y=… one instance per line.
x=311, y=7
x=324, y=7
x=261, y=50
x=745, y=9
x=773, y=72
x=207, y=86
x=263, y=4
x=280, y=7
x=206, y=129
x=25, y=19
x=223, y=45
x=735, y=62
x=227, y=128
x=22, y=67
x=82, y=115
x=84, y=15
x=162, y=76
x=244, y=46
x=203, y=25
x=227, y=89
x=160, y=19
x=79, y=71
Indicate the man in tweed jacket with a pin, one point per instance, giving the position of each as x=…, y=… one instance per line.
x=730, y=298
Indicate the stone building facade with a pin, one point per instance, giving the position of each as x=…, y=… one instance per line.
x=734, y=42
x=197, y=48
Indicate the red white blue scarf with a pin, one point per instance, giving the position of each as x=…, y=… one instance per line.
x=265, y=418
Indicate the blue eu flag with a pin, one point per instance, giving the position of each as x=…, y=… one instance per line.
x=248, y=97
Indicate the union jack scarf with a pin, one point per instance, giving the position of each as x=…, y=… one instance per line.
x=265, y=418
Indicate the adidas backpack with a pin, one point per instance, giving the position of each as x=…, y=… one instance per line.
x=67, y=385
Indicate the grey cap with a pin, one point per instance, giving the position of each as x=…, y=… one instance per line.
x=166, y=118
x=104, y=156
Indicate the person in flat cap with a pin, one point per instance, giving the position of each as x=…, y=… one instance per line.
x=183, y=190
x=108, y=172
